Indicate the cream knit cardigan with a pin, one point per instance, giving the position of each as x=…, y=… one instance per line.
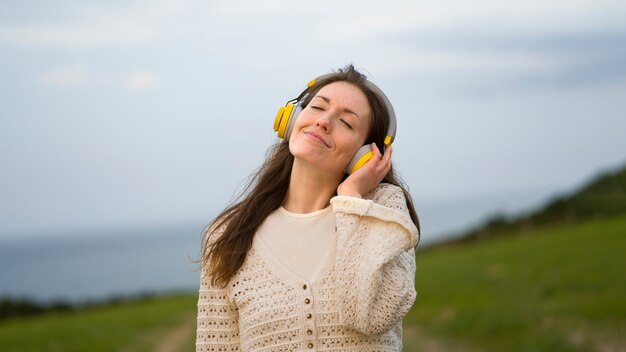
x=356, y=303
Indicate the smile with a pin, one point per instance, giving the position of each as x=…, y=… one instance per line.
x=316, y=137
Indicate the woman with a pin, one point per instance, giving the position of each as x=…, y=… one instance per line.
x=319, y=254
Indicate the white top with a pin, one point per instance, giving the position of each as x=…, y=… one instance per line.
x=355, y=302
x=301, y=242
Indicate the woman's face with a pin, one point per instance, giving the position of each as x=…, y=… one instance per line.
x=330, y=130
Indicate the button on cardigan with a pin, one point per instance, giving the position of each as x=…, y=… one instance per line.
x=356, y=302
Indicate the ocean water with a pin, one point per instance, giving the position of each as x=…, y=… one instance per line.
x=93, y=266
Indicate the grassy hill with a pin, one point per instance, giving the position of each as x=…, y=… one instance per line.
x=557, y=288
x=551, y=280
x=603, y=197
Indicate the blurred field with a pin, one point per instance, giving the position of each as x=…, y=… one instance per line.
x=560, y=288
x=161, y=324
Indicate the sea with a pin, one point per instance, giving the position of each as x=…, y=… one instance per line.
x=90, y=266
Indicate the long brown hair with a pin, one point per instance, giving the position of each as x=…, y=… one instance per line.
x=267, y=188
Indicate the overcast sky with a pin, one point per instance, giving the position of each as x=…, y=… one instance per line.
x=118, y=113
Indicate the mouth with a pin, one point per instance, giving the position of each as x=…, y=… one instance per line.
x=316, y=137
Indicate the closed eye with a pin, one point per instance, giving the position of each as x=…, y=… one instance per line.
x=347, y=124
x=316, y=108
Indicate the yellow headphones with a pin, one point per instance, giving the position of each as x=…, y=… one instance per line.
x=288, y=114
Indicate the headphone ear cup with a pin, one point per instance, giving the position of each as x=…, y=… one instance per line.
x=279, y=116
x=293, y=116
x=280, y=122
x=363, y=155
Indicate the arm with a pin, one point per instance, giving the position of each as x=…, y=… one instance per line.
x=217, y=320
x=375, y=259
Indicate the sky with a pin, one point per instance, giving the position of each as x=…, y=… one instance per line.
x=126, y=113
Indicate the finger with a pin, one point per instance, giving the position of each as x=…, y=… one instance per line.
x=384, y=161
x=376, y=153
x=388, y=168
x=387, y=159
x=387, y=155
x=382, y=166
x=375, y=149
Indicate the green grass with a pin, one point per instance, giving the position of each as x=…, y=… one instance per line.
x=138, y=326
x=561, y=288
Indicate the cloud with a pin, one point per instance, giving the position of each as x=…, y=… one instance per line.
x=66, y=76
x=102, y=26
x=479, y=18
x=78, y=74
x=142, y=80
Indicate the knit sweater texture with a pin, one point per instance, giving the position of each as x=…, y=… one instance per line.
x=355, y=302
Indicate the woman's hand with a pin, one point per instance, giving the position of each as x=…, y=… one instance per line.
x=368, y=176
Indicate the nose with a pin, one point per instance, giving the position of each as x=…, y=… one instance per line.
x=324, y=121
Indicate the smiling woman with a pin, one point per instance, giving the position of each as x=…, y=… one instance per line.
x=320, y=252
x=338, y=118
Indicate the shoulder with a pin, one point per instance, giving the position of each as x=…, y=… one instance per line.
x=385, y=195
x=385, y=192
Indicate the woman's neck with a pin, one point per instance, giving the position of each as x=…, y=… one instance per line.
x=310, y=189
